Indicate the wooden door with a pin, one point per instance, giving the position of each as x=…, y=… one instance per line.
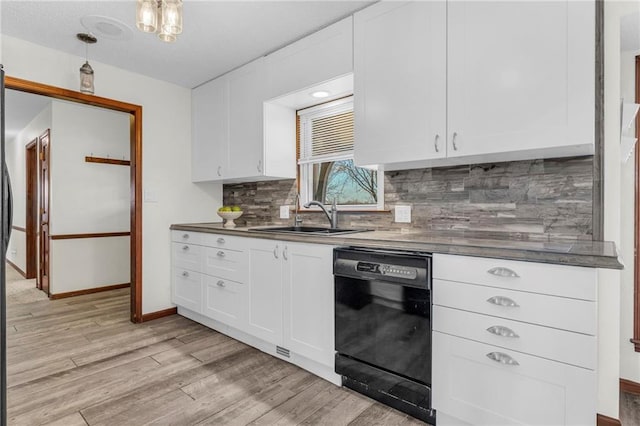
x=31, y=209
x=44, y=211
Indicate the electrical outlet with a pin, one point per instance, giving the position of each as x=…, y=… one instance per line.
x=403, y=214
x=284, y=212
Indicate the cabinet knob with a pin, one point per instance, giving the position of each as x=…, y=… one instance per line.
x=220, y=240
x=503, y=301
x=502, y=331
x=185, y=236
x=185, y=274
x=185, y=248
x=435, y=143
x=275, y=252
x=219, y=170
x=453, y=141
x=502, y=358
x=221, y=254
x=220, y=284
x=503, y=272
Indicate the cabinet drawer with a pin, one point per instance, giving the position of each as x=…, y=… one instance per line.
x=187, y=256
x=474, y=388
x=558, y=345
x=187, y=237
x=187, y=289
x=552, y=311
x=557, y=280
x=227, y=264
x=225, y=242
x=223, y=300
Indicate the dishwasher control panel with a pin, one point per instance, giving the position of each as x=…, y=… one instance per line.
x=388, y=270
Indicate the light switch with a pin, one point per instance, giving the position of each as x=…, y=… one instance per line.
x=403, y=214
x=284, y=212
x=150, y=196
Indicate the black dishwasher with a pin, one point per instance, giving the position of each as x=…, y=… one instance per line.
x=383, y=326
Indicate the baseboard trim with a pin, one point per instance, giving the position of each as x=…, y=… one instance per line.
x=603, y=420
x=159, y=314
x=20, y=271
x=629, y=386
x=88, y=291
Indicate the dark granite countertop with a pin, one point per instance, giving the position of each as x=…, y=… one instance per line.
x=593, y=254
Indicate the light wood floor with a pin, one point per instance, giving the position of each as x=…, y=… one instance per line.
x=80, y=361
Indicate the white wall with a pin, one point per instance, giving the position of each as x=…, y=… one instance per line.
x=16, y=163
x=166, y=165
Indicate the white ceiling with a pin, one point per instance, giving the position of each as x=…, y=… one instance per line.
x=218, y=36
x=20, y=109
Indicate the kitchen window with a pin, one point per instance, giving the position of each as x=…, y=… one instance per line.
x=325, y=159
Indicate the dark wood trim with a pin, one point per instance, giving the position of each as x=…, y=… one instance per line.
x=135, y=117
x=107, y=161
x=14, y=266
x=636, y=235
x=31, y=208
x=44, y=213
x=629, y=386
x=159, y=314
x=18, y=228
x=602, y=420
x=88, y=291
x=598, y=156
x=94, y=235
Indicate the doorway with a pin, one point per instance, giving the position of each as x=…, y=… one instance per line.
x=135, y=121
x=44, y=189
x=31, y=223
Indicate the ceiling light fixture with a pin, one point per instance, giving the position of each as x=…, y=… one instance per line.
x=160, y=16
x=86, y=72
x=320, y=94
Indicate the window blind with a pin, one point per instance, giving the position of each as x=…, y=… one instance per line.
x=326, y=134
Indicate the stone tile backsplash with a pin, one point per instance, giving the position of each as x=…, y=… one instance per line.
x=535, y=200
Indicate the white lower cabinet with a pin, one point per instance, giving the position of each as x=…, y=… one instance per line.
x=187, y=289
x=224, y=300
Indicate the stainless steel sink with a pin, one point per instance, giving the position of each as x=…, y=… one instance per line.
x=310, y=230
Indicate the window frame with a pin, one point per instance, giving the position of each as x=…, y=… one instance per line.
x=304, y=167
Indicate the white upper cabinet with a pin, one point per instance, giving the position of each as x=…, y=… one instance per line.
x=515, y=79
x=321, y=56
x=210, y=131
x=400, y=82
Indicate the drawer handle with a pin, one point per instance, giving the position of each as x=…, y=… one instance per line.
x=220, y=240
x=502, y=358
x=435, y=143
x=220, y=284
x=185, y=274
x=453, y=141
x=185, y=236
x=275, y=251
x=221, y=254
x=185, y=248
x=503, y=301
x=503, y=272
x=285, y=253
x=501, y=331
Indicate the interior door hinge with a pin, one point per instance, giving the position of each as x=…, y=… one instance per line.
x=41, y=156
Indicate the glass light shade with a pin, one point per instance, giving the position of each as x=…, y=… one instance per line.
x=171, y=18
x=86, y=78
x=147, y=15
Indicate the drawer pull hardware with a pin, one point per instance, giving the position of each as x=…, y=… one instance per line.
x=435, y=143
x=219, y=170
x=285, y=253
x=221, y=254
x=453, y=141
x=185, y=236
x=185, y=248
x=501, y=331
x=503, y=272
x=502, y=358
x=220, y=240
x=503, y=301
x=275, y=252
x=185, y=274
x=220, y=283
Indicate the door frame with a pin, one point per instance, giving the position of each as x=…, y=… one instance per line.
x=135, y=125
x=31, y=210
x=44, y=185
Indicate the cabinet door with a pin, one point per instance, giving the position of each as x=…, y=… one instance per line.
x=224, y=301
x=308, y=301
x=400, y=82
x=475, y=388
x=246, y=95
x=187, y=289
x=210, y=131
x=265, y=290
x=520, y=76
x=319, y=57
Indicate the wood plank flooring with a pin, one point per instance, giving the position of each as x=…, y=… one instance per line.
x=80, y=361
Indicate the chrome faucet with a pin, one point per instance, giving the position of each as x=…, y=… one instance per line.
x=297, y=221
x=331, y=215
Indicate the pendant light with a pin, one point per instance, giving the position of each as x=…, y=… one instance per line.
x=86, y=72
x=160, y=16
